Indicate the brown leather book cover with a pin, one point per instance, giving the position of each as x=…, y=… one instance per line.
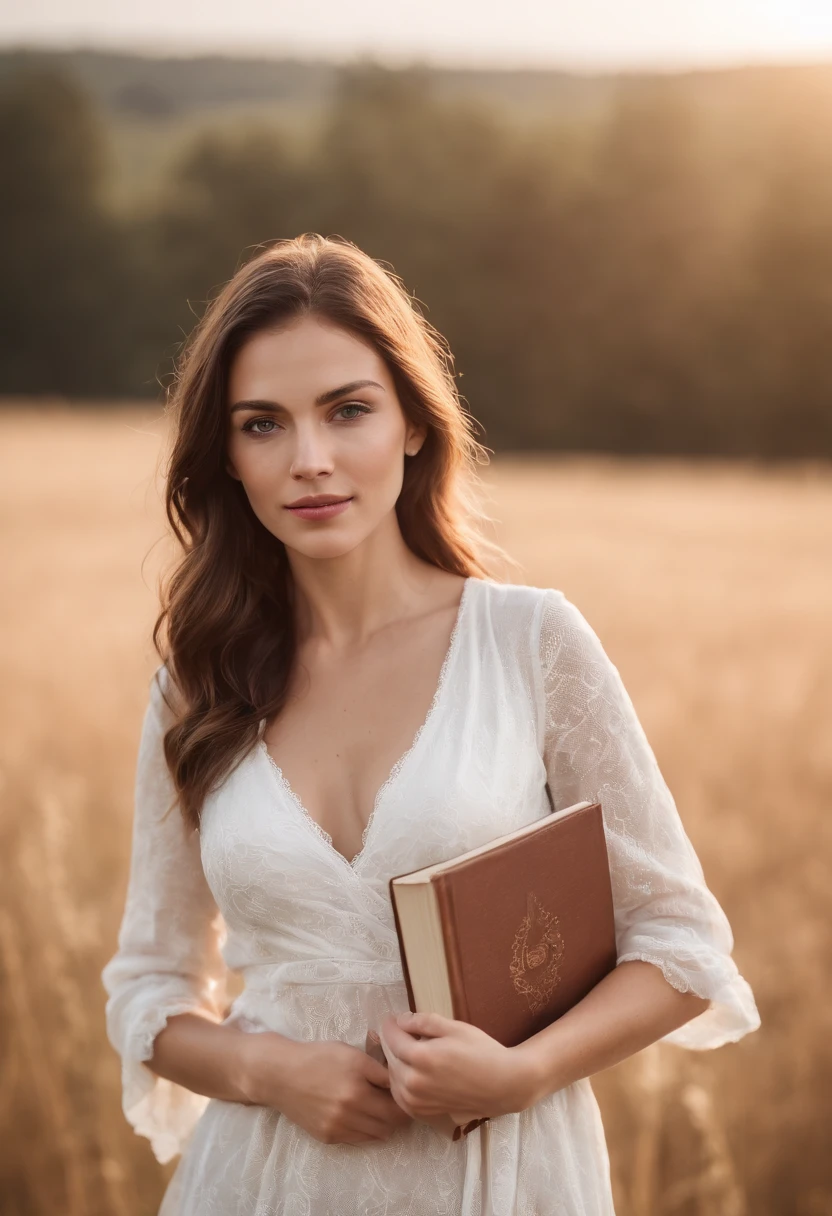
x=528, y=925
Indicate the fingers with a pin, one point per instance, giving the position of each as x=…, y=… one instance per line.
x=382, y=1105
x=385, y=1108
x=377, y=1074
x=381, y=1122
x=431, y=1024
x=398, y=1033
x=373, y=1128
x=398, y=1043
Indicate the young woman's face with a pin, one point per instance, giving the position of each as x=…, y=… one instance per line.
x=313, y=410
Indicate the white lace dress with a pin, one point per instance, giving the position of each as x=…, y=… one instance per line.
x=526, y=694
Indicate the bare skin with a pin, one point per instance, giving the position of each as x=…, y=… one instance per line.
x=374, y=624
x=336, y=1092
x=438, y=1064
x=352, y=714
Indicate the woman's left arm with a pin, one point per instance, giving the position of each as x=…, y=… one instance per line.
x=675, y=977
x=462, y=1070
x=630, y=1009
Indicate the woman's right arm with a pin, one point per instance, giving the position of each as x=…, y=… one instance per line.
x=336, y=1092
x=166, y=986
x=168, y=962
x=214, y=1060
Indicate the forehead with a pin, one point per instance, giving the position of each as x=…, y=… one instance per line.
x=301, y=360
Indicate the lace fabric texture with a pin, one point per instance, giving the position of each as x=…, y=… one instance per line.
x=526, y=694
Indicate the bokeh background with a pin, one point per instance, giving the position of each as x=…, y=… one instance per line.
x=622, y=222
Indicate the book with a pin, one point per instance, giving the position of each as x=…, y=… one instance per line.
x=510, y=935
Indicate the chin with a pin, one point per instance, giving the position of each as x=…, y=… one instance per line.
x=328, y=549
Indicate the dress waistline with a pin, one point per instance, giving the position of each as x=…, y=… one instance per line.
x=267, y=979
x=270, y=977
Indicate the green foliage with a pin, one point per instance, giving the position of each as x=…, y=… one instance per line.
x=61, y=266
x=646, y=273
x=228, y=195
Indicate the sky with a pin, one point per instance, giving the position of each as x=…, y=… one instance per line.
x=582, y=34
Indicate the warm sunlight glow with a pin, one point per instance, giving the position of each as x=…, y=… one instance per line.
x=596, y=33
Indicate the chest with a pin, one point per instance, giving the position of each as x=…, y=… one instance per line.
x=473, y=772
x=348, y=723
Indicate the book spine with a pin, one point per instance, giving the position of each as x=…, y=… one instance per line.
x=445, y=902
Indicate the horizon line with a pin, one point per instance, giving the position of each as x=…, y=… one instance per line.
x=566, y=64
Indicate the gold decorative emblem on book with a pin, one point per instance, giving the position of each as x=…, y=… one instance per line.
x=536, y=954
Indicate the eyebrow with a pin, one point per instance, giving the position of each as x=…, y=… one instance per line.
x=324, y=399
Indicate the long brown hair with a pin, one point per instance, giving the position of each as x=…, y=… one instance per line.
x=228, y=605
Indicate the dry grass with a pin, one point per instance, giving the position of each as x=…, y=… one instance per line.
x=711, y=588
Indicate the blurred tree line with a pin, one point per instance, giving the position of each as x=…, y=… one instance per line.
x=659, y=281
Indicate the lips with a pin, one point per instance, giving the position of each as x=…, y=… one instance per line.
x=321, y=510
x=318, y=500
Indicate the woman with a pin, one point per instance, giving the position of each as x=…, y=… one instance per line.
x=346, y=694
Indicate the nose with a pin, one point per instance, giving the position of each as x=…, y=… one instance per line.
x=312, y=452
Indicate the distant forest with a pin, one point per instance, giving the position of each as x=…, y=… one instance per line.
x=630, y=264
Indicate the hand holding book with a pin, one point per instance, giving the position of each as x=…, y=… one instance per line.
x=434, y=1082
x=496, y=944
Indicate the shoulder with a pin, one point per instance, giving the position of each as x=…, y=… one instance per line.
x=510, y=599
x=529, y=606
x=532, y=623
x=162, y=695
x=543, y=623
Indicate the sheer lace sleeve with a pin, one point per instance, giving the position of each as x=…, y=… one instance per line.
x=168, y=959
x=595, y=749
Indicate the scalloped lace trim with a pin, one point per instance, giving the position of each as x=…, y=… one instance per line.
x=732, y=1013
x=159, y=1109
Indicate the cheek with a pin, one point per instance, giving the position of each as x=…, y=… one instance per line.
x=371, y=464
x=263, y=481
x=375, y=462
x=238, y=454
x=258, y=464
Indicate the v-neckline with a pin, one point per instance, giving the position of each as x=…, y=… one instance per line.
x=389, y=781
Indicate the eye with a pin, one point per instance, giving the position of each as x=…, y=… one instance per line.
x=249, y=427
x=353, y=405
x=252, y=423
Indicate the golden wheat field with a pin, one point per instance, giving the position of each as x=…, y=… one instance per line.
x=711, y=589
